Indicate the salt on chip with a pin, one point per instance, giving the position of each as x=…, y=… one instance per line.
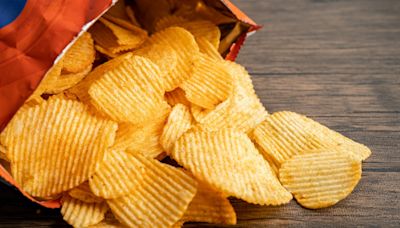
x=187, y=52
x=179, y=121
x=322, y=179
x=159, y=201
x=130, y=92
x=84, y=194
x=117, y=175
x=208, y=48
x=285, y=134
x=210, y=83
x=80, y=55
x=176, y=96
x=211, y=206
x=228, y=161
x=55, y=146
x=81, y=214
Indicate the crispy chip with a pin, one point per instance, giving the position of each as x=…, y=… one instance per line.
x=124, y=23
x=3, y=153
x=199, y=28
x=209, y=205
x=109, y=222
x=210, y=84
x=117, y=175
x=116, y=39
x=176, y=96
x=208, y=49
x=52, y=74
x=107, y=53
x=80, y=55
x=187, y=52
x=322, y=179
x=130, y=92
x=179, y=121
x=131, y=14
x=55, y=146
x=241, y=76
x=164, y=57
x=285, y=134
x=229, y=162
x=159, y=201
x=81, y=214
x=84, y=194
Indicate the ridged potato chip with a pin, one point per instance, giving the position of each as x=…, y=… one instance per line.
x=51, y=75
x=179, y=121
x=210, y=83
x=228, y=161
x=80, y=55
x=169, y=21
x=81, y=214
x=64, y=81
x=109, y=222
x=322, y=179
x=130, y=92
x=285, y=134
x=211, y=206
x=3, y=153
x=84, y=194
x=55, y=146
x=164, y=57
x=115, y=38
x=208, y=48
x=82, y=88
x=107, y=53
x=176, y=96
x=160, y=200
x=116, y=176
x=187, y=52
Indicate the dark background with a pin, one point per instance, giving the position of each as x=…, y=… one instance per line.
x=337, y=61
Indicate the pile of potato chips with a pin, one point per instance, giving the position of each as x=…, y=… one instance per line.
x=129, y=93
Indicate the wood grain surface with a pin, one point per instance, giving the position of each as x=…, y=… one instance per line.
x=337, y=61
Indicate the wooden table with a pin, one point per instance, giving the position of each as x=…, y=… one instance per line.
x=337, y=61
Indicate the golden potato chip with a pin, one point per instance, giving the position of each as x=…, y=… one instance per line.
x=80, y=55
x=82, y=88
x=109, y=222
x=130, y=92
x=3, y=153
x=208, y=49
x=199, y=28
x=187, y=52
x=241, y=76
x=285, y=134
x=179, y=121
x=164, y=57
x=176, y=96
x=228, y=161
x=118, y=10
x=84, y=194
x=322, y=179
x=81, y=214
x=160, y=200
x=178, y=224
x=226, y=43
x=116, y=39
x=116, y=176
x=51, y=75
x=209, y=13
x=131, y=15
x=64, y=81
x=210, y=83
x=55, y=146
x=209, y=205
x=107, y=53
x=274, y=165
x=124, y=23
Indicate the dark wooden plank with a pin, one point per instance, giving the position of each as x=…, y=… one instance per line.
x=337, y=61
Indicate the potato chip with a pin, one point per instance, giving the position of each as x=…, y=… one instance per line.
x=118, y=10
x=109, y=222
x=81, y=214
x=64, y=81
x=117, y=175
x=179, y=121
x=199, y=28
x=116, y=39
x=52, y=74
x=209, y=13
x=322, y=179
x=187, y=52
x=149, y=12
x=241, y=76
x=209, y=205
x=55, y=146
x=80, y=55
x=208, y=49
x=228, y=161
x=176, y=96
x=178, y=224
x=107, y=53
x=124, y=23
x=130, y=92
x=131, y=15
x=159, y=201
x=285, y=134
x=210, y=84
x=84, y=194
x=164, y=57
x=3, y=153
x=82, y=88
x=274, y=165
